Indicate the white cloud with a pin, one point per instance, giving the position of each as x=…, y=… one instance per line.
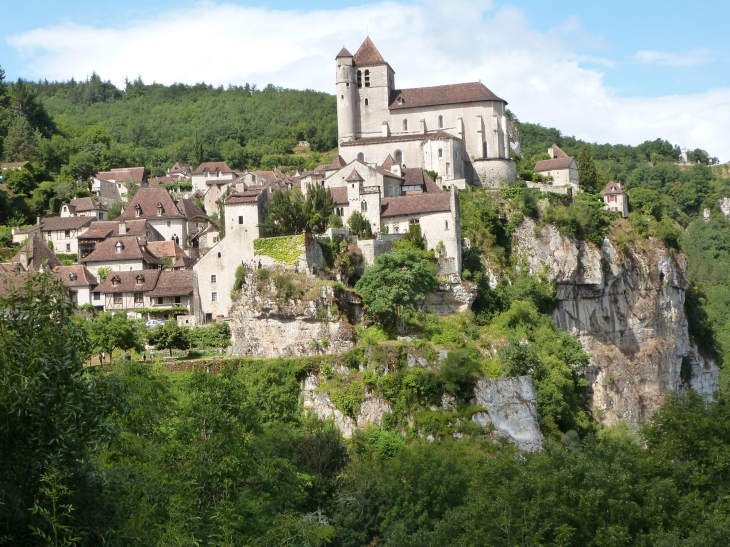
x=694, y=57
x=543, y=75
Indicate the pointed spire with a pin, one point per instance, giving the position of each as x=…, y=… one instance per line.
x=354, y=177
x=343, y=53
x=368, y=54
x=388, y=163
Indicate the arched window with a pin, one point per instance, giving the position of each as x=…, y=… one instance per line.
x=441, y=122
x=399, y=157
x=367, y=78
x=137, y=210
x=484, y=149
x=441, y=152
x=361, y=157
x=405, y=125
x=367, y=102
x=359, y=78
x=364, y=205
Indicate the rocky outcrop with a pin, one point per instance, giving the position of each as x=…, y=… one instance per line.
x=511, y=405
x=264, y=325
x=451, y=296
x=627, y=309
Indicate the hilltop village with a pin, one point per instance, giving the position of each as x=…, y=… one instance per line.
x=404, y=154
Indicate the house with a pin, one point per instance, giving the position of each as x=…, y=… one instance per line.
x=561, y=167
x=120, y=253
x=461, y=131
x=615, y=198
x=100, y=230
x=63, y=232
x=211, y=171
x=110, y=186
x=81, y=284
x=21, y=234
x=35, y=256
x=216, y=271
x=84, y=207
x=174, y=289
x=157, y=207
x=204, y=240
x=172, y=251
x=180, y=171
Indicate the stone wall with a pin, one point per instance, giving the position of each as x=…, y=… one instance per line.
x=492, y=173
x=627, y=309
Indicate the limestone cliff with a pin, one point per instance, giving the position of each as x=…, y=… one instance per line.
x=266, y=321
x=627, y=309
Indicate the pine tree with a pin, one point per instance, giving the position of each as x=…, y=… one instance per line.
x=587, y=170
x=22, y=142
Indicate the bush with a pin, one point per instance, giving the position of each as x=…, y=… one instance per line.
x=211, y=336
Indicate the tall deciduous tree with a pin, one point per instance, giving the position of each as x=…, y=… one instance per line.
x=108, y=332
x=285, y=213
x=318, y=207
x=587, y=173
x=169, y=336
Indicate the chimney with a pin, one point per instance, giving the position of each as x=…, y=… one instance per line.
x=423, y=126
x=397, y=169
x=38, y=221
x=385, y=130
x=122, y=227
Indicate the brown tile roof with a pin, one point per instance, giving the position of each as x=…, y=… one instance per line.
x=401, y=138
x=51, y=224
x=339, y=195
x=198, y=194
x=415, y=204
x=174, y=283
x=212, y=167
x=37, y=254
x=164, y=248
x=81, y=205
x=188, y=208
x=344, y=53
x=147, y=199
x=354, y=177
x=337, y=163
x=472, y=92
x=612, y=188
x=101, y=229
x=180, y=167
x=557, y=163
x=418, y=177
x=388, y=163
x=106, y=251
x=557, y=152
x=27, y=229
x=75, y=276
x=368, y=54
x=12, y=283
x=123, y=174
x=118, y=282
x=247, y=196
x=10, y=267
x=183, y=263
x=156, y=181
x=12, y=164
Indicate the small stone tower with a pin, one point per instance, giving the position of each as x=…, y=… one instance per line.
x=347, y=96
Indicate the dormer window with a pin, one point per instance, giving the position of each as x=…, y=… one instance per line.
x=206, y=174
x=137, y=210
x=217, y=173
x=160, y=209
x=115, y=281
x=72, y=277
x=140, y=279
x=367, y=78
x=119, y=246
x=400, y=100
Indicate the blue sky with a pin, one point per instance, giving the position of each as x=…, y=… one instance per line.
x=561, y=63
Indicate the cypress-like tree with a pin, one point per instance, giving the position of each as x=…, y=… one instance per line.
x=587, y=170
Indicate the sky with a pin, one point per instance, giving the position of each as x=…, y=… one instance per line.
x=618, y=72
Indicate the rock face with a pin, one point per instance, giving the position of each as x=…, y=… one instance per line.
x=511, y=405
x=318, y=402
x=451, y=296
x=627, y=309
x=263, y=326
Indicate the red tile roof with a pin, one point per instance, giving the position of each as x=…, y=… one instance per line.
x=368, y=54
x=557, y=163
x=12, y=283
x=337, y=163
x=188, y=208
x=106, y=251
x=471, y=92
x=164, y=248
x=180, y=167
x=147, y=199
x=173, y=283
x=129, y=281
x=388, y=163
x=212, y=167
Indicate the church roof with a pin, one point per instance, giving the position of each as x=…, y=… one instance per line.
x=368, y=54
x=388, y=163
x=471, y=92
x=344, y=53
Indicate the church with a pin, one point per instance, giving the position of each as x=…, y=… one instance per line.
x=460, y=131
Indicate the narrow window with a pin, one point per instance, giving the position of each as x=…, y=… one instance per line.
x=67, y=234
x=240, y=219
x=441, y=122
x=214, y=297
x=342, y=97
x=138, y=298
x=68, y=247
x=160, y=300
x=359, y=78
x=446, y=224
x=177, y=300
x=361, y=157
x=399, y=157
x=169, y=223
x=219, y=255
x=484, y=149
x=117, y=299
x=97, y=296
x=364, y=205
x=405, y=125
x=367, y=78
x=441, y=153
x=213, y=278
x=448, y=168
x=367, y=102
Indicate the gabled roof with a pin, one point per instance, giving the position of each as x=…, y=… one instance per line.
x=131, y=249
x=247, y=196
x=415, y=204
x=173, y=283
x=388, y=163
x=337, y=163
x=118, y=282
x=81, y=205
x=471, y=92
x=51, y=224
x=343, y=53
x=339, y=195
x=122, y=174
x=156, y=181
x=368, y=54
x=147, y=199
x=188, y=208
x=75, y=276
x=13, y=283
x=354, y=177
x=612, y=188
x=557, y=163
x=165, y=248
x=557, y=152
x=180, y=167
x=212, y=167
x=37, y=254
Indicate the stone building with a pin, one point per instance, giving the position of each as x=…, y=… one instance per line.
x=615, y=198
x=561, y=167
x=121, y=253
x=84, y=207
x=110, y=186
x=460, y=131
x=211, y=172
x=81, y=284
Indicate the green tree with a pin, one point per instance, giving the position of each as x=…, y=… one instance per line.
x=81, y=166
x=108, y=332
x=169, y=336
x=22, y=141
x=396, y=284
x=21, y=181
x=285, y=213
x=647, y=202
x=318, y=207
x=587, y=173
x=360, y=226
